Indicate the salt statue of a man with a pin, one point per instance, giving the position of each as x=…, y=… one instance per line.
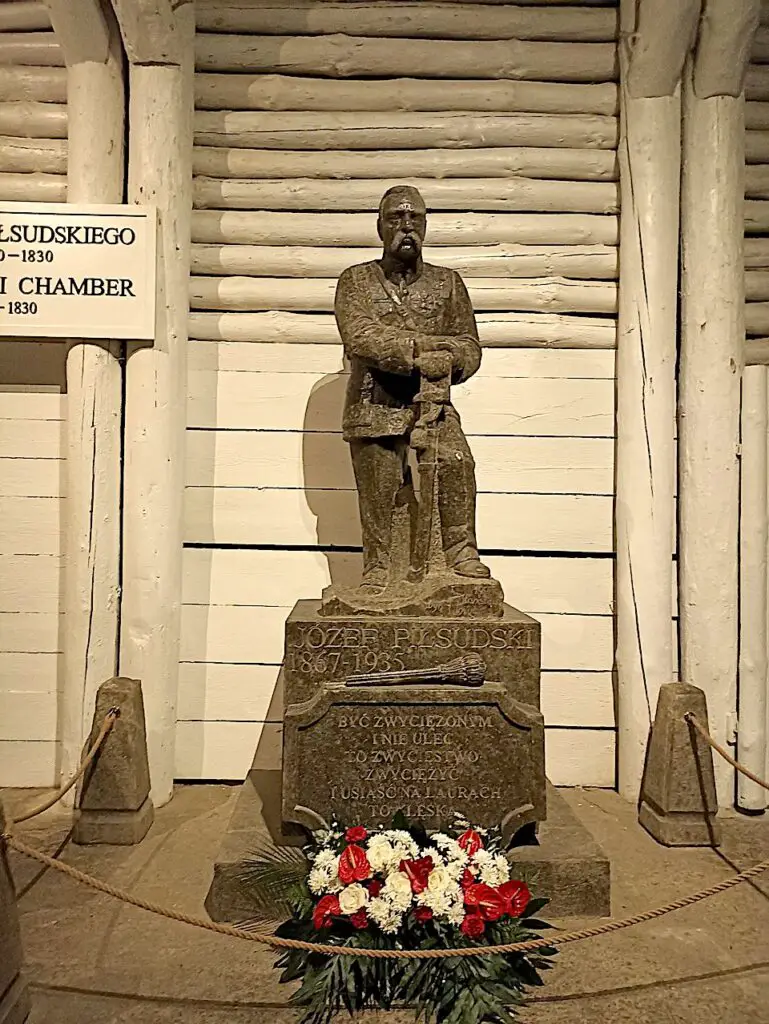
x=404, y=322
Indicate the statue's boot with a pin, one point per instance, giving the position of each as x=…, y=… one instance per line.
x=456, y=502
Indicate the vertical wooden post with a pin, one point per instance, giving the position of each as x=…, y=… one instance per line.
x=159, y=173
x=712, y=342
x=654, y=41
x=95, y=174
x=751, y=735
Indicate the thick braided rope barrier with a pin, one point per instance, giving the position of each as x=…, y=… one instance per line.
x=385, y=954
x=691, y=719
x=106, y=727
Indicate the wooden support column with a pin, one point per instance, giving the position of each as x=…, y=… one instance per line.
x=159, y=43
x=655, y=38
x=711, y=361
x=93, y=52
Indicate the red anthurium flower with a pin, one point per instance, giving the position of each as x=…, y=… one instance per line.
x=423, y=914
x=354, y=865
x=418, y=872
x=356, y=834
x=516, y=896
x=470, y=842
x=467, y=879
x=374, y=887
x=359, y=919
x=485, y=901
x=472, y=926
x=327, y=908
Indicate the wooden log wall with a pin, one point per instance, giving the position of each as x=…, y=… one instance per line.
x=506, y=118
x=33, y=166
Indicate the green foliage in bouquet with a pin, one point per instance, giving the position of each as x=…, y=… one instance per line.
x=401, y=888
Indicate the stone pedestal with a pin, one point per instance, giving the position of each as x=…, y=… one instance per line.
x=115, y=805
x=678, y=792
x=14, y=999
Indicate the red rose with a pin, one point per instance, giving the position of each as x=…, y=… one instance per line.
x=327, y=908
x=354, y=865
x=423, y=914
x=516, y=896
x=470, y=842
x=356, y=834
x=418, y=872
x=485, y=901
x=359, y=919
x=467, y=879
x=374, y=887
x=472, y=926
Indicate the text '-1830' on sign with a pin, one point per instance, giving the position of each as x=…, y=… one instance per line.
x=71, y=271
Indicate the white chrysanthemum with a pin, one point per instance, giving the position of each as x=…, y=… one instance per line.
x=383, y=913
x=450, y=848
x=495, y=871
x=318, y=880
x=481, y=858
x=456, y=914
x=352, y=898
x=325, y=859
x=382, y=855
x=397, y=890
x=402, y=843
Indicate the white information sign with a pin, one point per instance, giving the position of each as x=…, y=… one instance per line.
x=70, y=271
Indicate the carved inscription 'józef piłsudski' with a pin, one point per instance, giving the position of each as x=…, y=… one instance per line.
x=430, y=760
x=322, y=649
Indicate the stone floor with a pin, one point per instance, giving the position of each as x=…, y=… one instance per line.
x=92, y=959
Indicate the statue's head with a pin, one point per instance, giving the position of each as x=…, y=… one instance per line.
x=402, y=222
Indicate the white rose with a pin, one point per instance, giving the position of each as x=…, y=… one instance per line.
x=381, y=855
x=352, y=898
x=439, y=880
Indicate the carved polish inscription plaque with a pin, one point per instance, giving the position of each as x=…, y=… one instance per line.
x=428, y=751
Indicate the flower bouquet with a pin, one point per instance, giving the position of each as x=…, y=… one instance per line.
x=400, y=888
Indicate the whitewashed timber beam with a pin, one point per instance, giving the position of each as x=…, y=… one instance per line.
x=711, y=362
x=93, y=53
x=160, y=174
x=655, y=37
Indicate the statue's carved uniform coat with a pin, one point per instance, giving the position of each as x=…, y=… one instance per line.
x=381, y=342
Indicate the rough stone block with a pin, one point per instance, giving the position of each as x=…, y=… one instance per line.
x=678, y=792
x=115, y=807
x=14, y=1001
x=361, y=754
x=322, y=649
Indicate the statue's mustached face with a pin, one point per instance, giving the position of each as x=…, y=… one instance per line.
x=402, y=229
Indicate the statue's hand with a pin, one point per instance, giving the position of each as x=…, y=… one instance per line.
x=435, y=365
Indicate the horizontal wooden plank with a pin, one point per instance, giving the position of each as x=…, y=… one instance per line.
x=27, y=716
x=757, y=146
x=280, y=578
x=32, y=120
x=28, y=763
x=496, y=363
x=33, y=188
x=757, y=215
x=254, y=635
x=30, y=583
x=31, y=673
x=454, y=164
x=29, y=404
x=757, y=318
x=30, y=526
x=580, y=757
x=294, y=401
x=496, y=330
x=756, y=82
x=341, y=56
x=757, y=285
x=592, y=262
x=210, y=691
x=42, y=84
x=410, y=20
x=312, y=194
x=350, y=229
x=400, y=130
x=225, y=751
x=261, y=458
x=41, y=439
x=37, y=48
x=506, y=522
x=550, y=294
x=31, y=632
x=32, y=478
x=24, y=156
x=24, y=16
x=249, y=91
